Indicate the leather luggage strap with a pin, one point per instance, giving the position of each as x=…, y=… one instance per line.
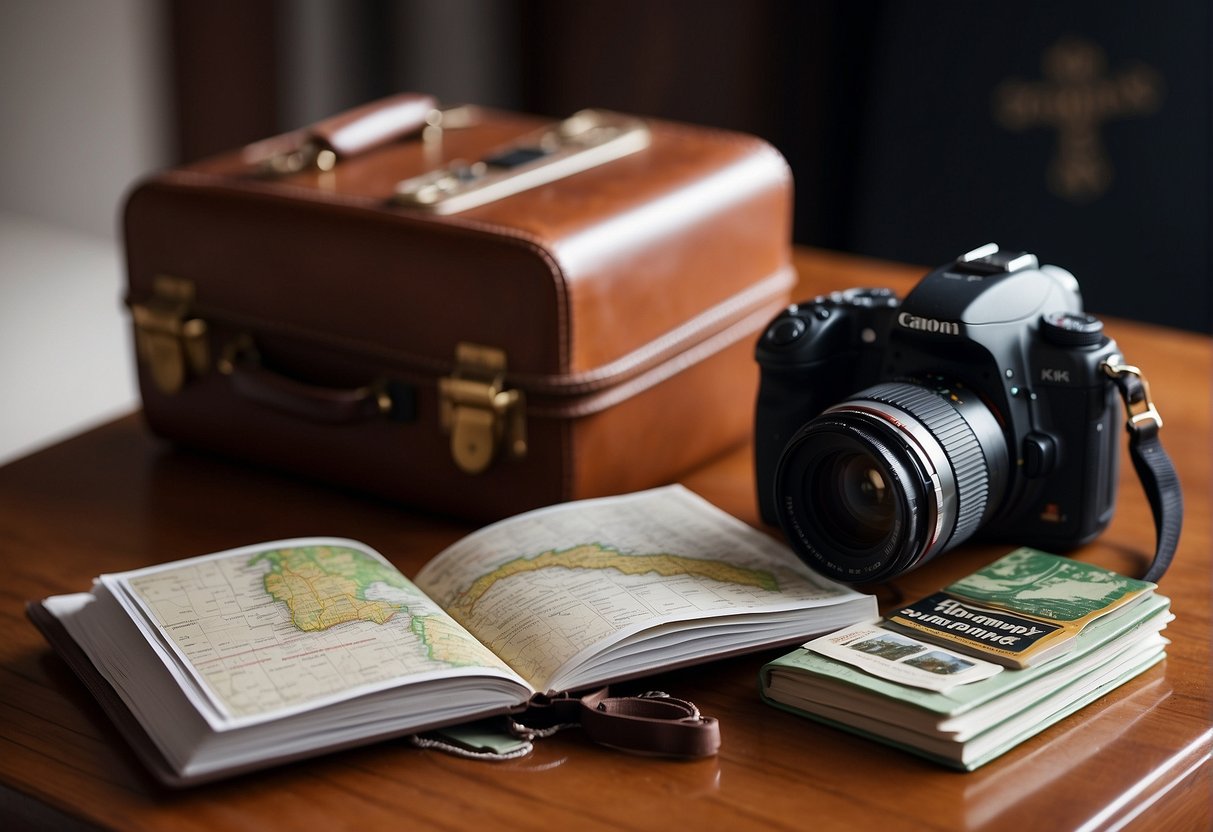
x=1154, y=468
x=652, y=723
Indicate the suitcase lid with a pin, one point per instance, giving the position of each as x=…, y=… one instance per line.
x=590, y=284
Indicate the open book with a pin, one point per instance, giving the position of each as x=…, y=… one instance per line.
x=235, y=660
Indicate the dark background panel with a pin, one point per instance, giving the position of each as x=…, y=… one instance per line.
x=1079, y=130
x=1082, y=135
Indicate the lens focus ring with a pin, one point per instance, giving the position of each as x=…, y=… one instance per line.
x=960, y=444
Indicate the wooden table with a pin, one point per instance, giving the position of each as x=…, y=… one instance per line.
x=115, y=498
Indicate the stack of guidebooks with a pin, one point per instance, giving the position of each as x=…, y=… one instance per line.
x=968, y=673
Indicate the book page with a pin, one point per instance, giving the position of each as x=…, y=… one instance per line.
x=548, y=589
x=265, y=631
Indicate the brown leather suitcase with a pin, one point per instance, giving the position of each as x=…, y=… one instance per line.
x=334, y=302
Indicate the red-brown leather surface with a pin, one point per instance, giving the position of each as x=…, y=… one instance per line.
x=629, y=250
x=361, y=278
x=646, y=439
x=406, y=462
x=653, y=437
x=617, y=294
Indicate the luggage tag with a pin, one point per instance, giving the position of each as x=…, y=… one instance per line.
x=485, y=739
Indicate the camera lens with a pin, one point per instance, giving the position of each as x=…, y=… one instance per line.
x=883, y=482
x=858, y=505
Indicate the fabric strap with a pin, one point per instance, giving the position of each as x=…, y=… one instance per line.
x=1154, y=468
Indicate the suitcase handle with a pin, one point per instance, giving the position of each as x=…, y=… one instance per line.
x=322, y=145
x=372, y=125
x=241, y=363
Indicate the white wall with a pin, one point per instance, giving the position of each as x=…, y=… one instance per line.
x=83, y=112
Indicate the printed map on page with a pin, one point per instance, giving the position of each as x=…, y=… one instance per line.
x=271, y=629
x=539, y=589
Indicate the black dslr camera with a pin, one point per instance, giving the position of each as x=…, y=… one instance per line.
x=889, y=432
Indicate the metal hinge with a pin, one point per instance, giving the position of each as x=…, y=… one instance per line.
x=170, y=343
x=478, y=411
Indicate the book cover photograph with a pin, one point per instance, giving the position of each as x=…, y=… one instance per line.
x=265, y=653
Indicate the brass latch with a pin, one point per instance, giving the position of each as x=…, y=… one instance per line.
x=478, y=412
x=171, y=344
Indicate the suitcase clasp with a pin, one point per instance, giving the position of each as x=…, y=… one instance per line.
x=478, y=411
x=171, y=344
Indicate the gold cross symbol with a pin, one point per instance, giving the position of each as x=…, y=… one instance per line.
x=1077, y=97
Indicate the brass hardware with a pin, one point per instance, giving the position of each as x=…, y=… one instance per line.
x=583, y=141
x=478, y=411
x=1138, y=411
x=172, y=344
x=234, y=350
x=437, y=122
x=310, y=155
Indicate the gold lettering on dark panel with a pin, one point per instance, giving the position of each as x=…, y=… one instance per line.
x=1077, y=97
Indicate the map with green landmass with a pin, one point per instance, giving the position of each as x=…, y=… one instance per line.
x=554, y=596
x=599, y=556
x=543, y=591
x=539, y=611
x=269, y=629
x=324, y=586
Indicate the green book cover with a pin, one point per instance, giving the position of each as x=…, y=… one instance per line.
x=1023, y=609
x=1049, y=587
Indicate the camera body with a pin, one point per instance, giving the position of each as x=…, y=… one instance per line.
x=889, y=431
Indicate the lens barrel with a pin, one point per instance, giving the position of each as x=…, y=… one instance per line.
x=883, y=482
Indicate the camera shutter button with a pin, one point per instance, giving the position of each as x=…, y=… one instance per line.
x=785, y=331
x=1039, y=454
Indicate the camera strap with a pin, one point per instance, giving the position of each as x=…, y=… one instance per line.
x=1154, y=468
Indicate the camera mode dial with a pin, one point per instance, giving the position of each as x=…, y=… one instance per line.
x=1071, y=329
x=863, y=298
